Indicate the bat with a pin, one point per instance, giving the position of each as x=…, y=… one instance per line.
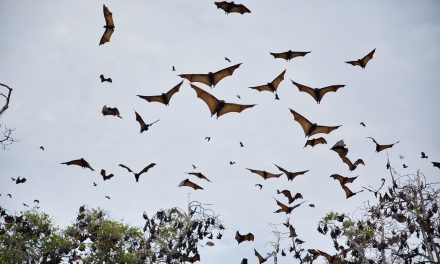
x=189, y=183
x=379, y=147
x=192, y=259
x=311, y=205
x=109, y=26
x=231, y=162
x=108, y=197
x=405, y=166
x=104, y=176
x=259, y=186
x=164, y=98
x=79, y=162
x=315, y=141
x=343, y=180
x=25, y=204
x=238, y=96
x=286, y=209
x=137, y=175
x=42, y=148
x=423, y=155
x=241, y=238
x=208, y=138
x=290, y=175
x=362, y=62
x=266, y=175
x=272, y=86
x=94, y=184
x=292, y=231
x=331, y=259
x=241, y=144
x=288, y=55
x=348, y=192
x=216, y=106
x=103, y=79
x=260, y=258
x=210, y=244
x=143, y=125
x=173, y=68
x=227, y=59
x=289, y=195
x=231, y=7
x=110, y=111
x=310, y=128
x=36, y=201
x=20, y=180
x=211, y=79
x=9, y=195
x=352, y=166
x=198, y=175
x=436, y=164
x=317, y=93
x=340, y=148
x=362, y=124
x=244, y=261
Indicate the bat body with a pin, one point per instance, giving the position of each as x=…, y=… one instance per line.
x=340, y=148
x=20, y=180
x=241, y=238
x=141, y=122
x=164, y=98
x=362, y=62
x=103, y=79
x=317, y=93
x=109, y=26
x=315, y=141
x=286, y=209
x=79, y=162
x=343, y=180
x=289, y=195
x=379, y=147
x=271, y=86
x=260, y=258
x=198, y=175
x=106, y=177
x=211, y=79
x=288, y=55
x=137, y=175
x=266, y=175
x=291, y=175
x=231, y=7
x=217, y=106
x=310, y=128
x=110, y=111
x=189, y=183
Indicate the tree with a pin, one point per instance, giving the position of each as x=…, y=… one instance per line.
x=7, y=138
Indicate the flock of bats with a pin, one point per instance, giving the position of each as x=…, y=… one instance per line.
x=219, y=107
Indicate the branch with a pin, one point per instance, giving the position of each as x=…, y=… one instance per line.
x=7, y=97
x=7, y=138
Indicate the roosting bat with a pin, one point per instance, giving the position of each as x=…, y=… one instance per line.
x=20, y=180
x=103, y=79
x=317, y=93
x=192, y=259
x=436, y=164
x=241, y=238
x=362, y=62
x=286, y=209
x=137, y=175
x=272, y=86
x=189, y=183
x=288, y=55
x=198, y=175
x=109, y=26
x=211, y=79
x=164, y=98
x=143, y=125
x=330, y=259
x=106, y=177
x=79, y=162
x=110, y=111
x=379, y=147
x=310, y=128
x=260, y=258
x=266, y=175
x=315, y=141
x=289, y=196
x=231, y=7
x=42, y=148
x=219, y=107
x=290, y=175
x=343, y=180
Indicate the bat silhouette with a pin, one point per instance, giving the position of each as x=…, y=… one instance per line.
x=286, y=209
x=436, y=164
x=109, y=26
x=231, y=162
x=423, y=155
x=42, y=148
x=352, y=166
x=210, y=244
x=110, y=111
x=379, y=147
x=36, y=201
x=292, y=231
x=290, y=175
x=173, y=68
x=227, y=59
x=20, y=180
x=343, y=180
x=143, y=125
x=211, y=79
x=94, y=184
x=348, y=192
x=362, y=124
x=189, y=183
x=231, y=7
x=260, y=258
x=241, y=238
x=25, y=204
x=310, y=128
x=362, y=62
x=194, y=167
x=272, y=86
x=198, y=175
x=265, y=174
x=216, y=106
x=244, y=261
x=106, y=177
x=311, y=205
x=317, y=93
x=79, y=162
x=340, y=148
x=288, y=55
x=289, y=195
x=259, y=186
x=103, y=79
x=137, y=175
x=108, y=197
x=164, y=98
x=405, y=166
x=241, y=144
x=192, y=259
x=315, y=141
x=331, y=259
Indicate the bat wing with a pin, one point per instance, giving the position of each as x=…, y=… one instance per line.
x=140, y=120
x=278, y=80
x=239, y=237
x=240, y=9
x=306, y=89
x=198, y=175
x=315, y=141
x=259, y=172
x=382, y=147
x=272, y=175
x=262, y=88
x=292, y=175
x=200, y=78
x=224, y=73
x=287, y=194
x=230, y=107
x=348, y=192
x=368, y=57
x=373, y=140
x=153, y=98
x=189, y=183
x=173, y=90
x=348, y=162
x=106, y=36
x=338, y=177
x=331, y=88
x=281, y=55
x=79, y=162
x=354, y=63
x=125, y=167
x=108, y=16
x=281, y=169
x=436, y=164
x=323, y=129
x=260, y=258
x=209, y=99
x=147, y=168
x=305, y=124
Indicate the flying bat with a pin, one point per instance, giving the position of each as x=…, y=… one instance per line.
x=211, y=79
x=103, y=79
x=227, y=59
x=259, y=186
x=362, y=124
x=423, y=155
x=379, y=147
x=260, y=258
x=173, y=68
x=143, y=125
x=164, y=98
x=109, y=26
x=42, y=148
x=137, y=175
x=340, y=148
x=272, y=86
x=436, y=164
x=310, y=128
x=189, y=183
x=241, y=238
x=198, y=175
x=362, y=62
x=241, y=144
x=329, y=258
x=288, y=55
x=20, y=180
x=348, y=192
x=192, y=259
x=266, y=175
x=36, y=201
x=292, y=231
x=216, y=106
x=286, y=209
x=79, y=162
x=290, y=175
x=289, y=195
x=108, y=197
x=104, y=176
x=352, y=166
x=315, y=141
x=317, y=93
x=231, y=7
x=110, y=111
x=343, y=180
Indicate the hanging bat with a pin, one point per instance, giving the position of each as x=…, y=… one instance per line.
x=164, y=98
x=379, y=147
x=106, y=177
x=423, y=155
x=317, y=93
x=288, y=55
x=103, y=79
x=79, y=162
x=352, y=166
x=289, y=196
x=109, y=26
x=266, y=175
x=211, y=79
x=272, y=86
x=143, y=125
x=315, y=141
x=290, y=175
x=436, y=164
x=192, y=259
x=310, y=128
x=343, y=180
x=20, y=180
x=189, y=183
x=216, y=106
x=259, y=186
x=286, y=209
x=137, y=175
x=241, y=238
x=231, y=7
x=110, y=111
x=260, y=258
x=362, y=62
x=198, y=175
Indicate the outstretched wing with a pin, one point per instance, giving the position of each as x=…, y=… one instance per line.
x=278, y=80
x=315, y=141
x=260, y=258
x=382, y=147
x=140, y=120
x=348, y=192
x=153, y=98
x=331, y=88
x=200, y=78
x=288, y=55
x=368, y=57
x=354, y=63
x=259, y=172
x=373, y=140
x=224, y=73
x=239, y=9
x=338, y=177
x=281, y=169
x=147, y=168
x=125, y=167
x=323, y=129
x=173, y=90
x=262, y=88
x=230, y=107
x=305, y=124
x=306, y=89
x=189, y=183
x=209, y=99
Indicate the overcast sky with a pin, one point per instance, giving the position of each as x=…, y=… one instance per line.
x=49, y=55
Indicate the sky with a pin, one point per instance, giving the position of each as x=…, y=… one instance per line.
x=49, y=55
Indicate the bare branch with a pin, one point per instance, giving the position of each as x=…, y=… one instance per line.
x=7, y=97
